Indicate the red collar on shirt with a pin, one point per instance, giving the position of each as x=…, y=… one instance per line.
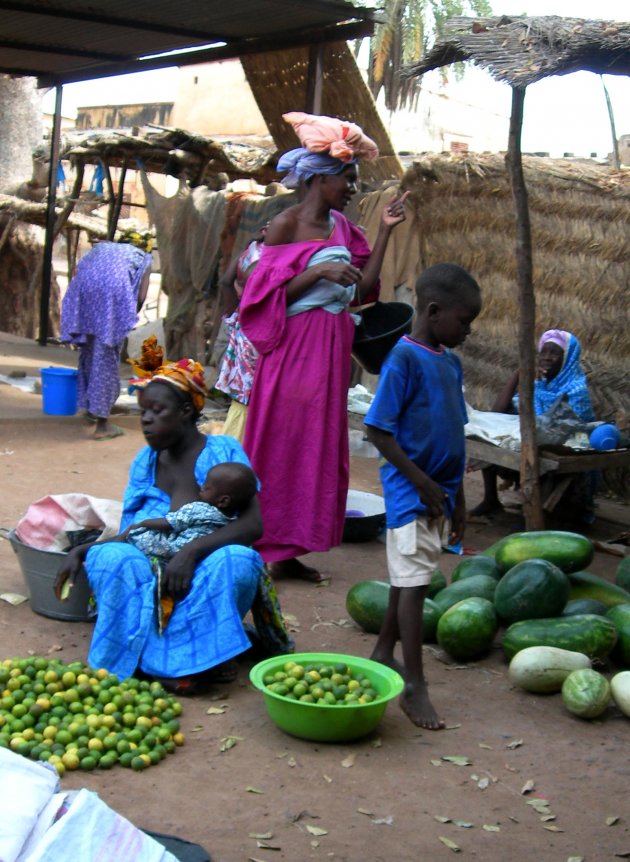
x=439, y=352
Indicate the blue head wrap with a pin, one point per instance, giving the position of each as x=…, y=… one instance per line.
x=301, y=164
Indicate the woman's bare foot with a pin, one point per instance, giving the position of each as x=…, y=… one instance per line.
x=295, y=569
x=415, y=703
x=487, y=507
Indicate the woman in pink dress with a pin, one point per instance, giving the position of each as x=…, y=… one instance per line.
x=314, y=265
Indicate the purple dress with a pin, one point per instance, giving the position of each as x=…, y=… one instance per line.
x=296, y=434
x=98, y=312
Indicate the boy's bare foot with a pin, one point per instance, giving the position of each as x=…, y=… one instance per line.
x=388, y=661
x=295, y=569
x=415, y=703
x=487, y=507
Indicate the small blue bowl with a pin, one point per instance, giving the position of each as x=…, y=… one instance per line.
x=605, y=437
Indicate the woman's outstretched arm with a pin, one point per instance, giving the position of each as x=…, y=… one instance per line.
x=393, y=214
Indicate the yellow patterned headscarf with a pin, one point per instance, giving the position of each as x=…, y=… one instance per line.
x=142, y=239
x=185, y=374
x=151, y=358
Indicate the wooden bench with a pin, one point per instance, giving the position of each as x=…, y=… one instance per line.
x=557, y=466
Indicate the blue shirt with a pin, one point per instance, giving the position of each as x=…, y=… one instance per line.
x=420, y=401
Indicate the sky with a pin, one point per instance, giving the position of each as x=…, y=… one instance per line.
x=562, y=114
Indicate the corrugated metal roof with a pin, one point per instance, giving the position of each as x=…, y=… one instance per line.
x=60, y=41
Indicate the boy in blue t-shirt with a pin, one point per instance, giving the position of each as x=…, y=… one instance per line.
x=416, y=421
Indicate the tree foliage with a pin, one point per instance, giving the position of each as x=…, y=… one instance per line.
x=409, y=27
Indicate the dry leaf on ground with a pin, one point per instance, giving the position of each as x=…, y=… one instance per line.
x=316, y=830
x=250, y=789
x=13, y=598
x=457, y=759
x=527, y=787
x=348, y=761
x=450, y=844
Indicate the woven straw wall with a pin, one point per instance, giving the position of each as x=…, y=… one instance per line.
x=278, y=83
x=580, y=220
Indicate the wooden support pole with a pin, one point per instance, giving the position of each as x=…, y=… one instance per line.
x=111, y=200
x=613, y=130
x=315, y=79
x=118, y=203
x=530, y=479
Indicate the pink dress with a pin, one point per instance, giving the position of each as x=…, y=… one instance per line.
x=297, y=425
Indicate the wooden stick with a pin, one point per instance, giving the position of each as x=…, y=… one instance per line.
x=530, y=479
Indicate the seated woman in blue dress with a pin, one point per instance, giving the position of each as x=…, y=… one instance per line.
x=213, y=579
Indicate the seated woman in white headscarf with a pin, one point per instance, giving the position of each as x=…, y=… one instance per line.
x=559, y=373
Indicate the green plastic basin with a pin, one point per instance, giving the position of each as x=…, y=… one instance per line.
x=328, y=722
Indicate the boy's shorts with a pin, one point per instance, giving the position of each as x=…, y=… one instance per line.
x=413, y=552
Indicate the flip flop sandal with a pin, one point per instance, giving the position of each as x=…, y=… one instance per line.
x=183, y=686
x=115, y=431
x=222, y=673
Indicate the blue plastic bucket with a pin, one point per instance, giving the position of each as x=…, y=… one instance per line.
x=59, y=391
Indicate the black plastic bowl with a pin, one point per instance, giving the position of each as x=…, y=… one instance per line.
x=365, y=517
x=382, y=325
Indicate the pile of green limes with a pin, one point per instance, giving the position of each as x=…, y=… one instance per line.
x=333, y=685
x=75, y=717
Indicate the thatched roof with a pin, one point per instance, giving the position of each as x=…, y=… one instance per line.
x=520, y=50
x=196, y=157
x=278, y=83
x=580, y=218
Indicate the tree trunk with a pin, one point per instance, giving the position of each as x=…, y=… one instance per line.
x=20, y=106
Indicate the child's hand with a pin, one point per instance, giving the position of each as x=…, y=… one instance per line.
x=433, y=497
x=458, y=525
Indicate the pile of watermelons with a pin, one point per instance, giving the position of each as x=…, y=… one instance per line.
x=534, y=586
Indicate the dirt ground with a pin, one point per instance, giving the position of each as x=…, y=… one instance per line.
x=375, y=799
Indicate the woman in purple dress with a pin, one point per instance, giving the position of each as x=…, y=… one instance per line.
x=99, y=310
x=315, y=263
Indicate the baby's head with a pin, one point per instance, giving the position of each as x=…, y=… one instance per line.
x=229, y=486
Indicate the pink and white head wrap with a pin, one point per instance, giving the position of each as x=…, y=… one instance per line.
x=338, y=138
x=555, y=336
